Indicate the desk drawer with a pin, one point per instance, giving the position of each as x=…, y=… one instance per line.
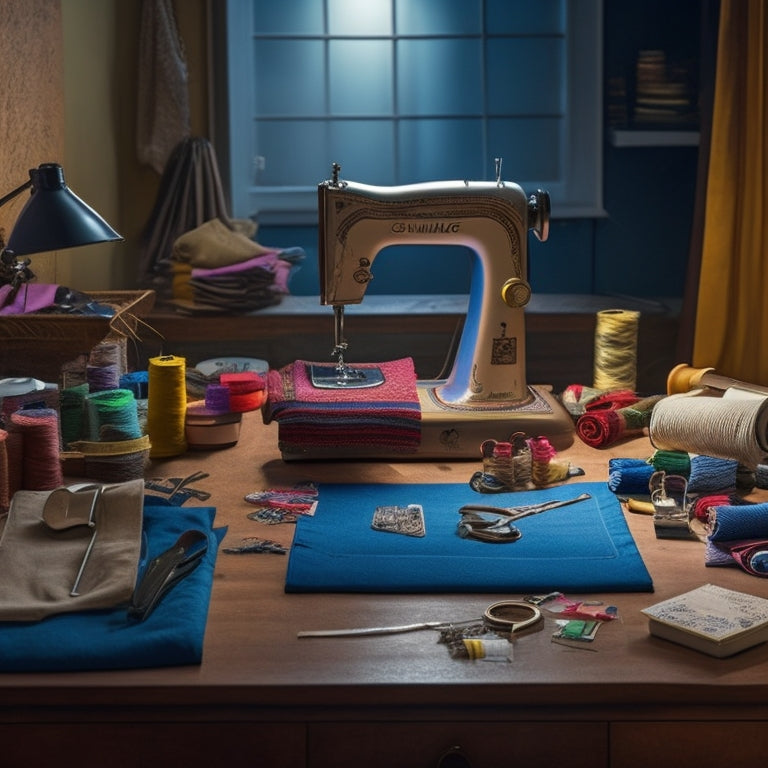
x=485, y=745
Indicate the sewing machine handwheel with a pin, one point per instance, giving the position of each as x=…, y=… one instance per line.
x=516, y=292
x=539, y=209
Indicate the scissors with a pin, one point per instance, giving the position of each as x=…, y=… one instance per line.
x=495, y=524
x=506, y=616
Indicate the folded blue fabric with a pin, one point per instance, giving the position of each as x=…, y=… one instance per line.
x=172, y=635
x=584, y=547
x=742, y=521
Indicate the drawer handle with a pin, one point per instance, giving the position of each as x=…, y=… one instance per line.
x=453, y=758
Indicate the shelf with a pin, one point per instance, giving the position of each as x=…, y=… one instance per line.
x=653, y=138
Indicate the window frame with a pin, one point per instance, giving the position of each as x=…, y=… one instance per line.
x=579, y=193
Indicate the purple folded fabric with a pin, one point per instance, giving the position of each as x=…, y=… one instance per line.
x=31, y=297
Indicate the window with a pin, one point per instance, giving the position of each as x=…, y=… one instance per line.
x=402, y=91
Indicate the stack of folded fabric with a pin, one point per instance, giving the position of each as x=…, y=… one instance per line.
x=386, y=418
x=218, y=269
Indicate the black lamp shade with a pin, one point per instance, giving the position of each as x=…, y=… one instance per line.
x=55, y=218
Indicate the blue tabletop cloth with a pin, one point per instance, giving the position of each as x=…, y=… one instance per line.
x=172, y=635
x=583, y=547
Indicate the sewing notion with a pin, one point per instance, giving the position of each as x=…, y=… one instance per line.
x=486, y=394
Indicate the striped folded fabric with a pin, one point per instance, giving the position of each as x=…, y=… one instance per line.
x=382, y=418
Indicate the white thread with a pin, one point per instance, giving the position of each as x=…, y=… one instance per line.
x=711, y=426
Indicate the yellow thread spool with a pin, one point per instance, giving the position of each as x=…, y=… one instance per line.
x=616, y=349
x=167, y=406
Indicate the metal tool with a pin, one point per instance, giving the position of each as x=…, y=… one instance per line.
x=500, y=615
x=511, y=514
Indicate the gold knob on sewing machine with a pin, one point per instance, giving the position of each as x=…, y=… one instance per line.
x=516, y=292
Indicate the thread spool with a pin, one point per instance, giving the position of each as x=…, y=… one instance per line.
x=72, y=413
x=112, y=415
x=727, y=428
x=41, y=469
x=246, y=391
x=5, y=495
x=137, y=382
x=167, y=405
x=217, y=398
x=102, y=377
x=615, y=365
x=115, y=462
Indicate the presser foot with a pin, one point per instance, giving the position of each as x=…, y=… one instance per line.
x=344, y=376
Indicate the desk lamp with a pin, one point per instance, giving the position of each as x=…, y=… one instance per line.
x=52, y=219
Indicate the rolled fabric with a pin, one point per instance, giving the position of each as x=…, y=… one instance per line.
x=601, y=428
x=740, y=522
x=630, y=476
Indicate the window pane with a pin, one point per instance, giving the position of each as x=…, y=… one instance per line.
x=288, y=17
x=359, y=17
x=300, y=88
x=360, y=77
x=365, y=149
x=525, y=76
x=440, y=149
x=438, y=17
x=543, y=17
x=440, y=77
x=529, y=147
x=290, y=152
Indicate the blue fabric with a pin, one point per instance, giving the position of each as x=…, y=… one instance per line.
x=742, y=521
x=172, y=635
x=584, y=547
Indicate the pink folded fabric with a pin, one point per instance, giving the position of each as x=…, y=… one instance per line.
x=383, y=418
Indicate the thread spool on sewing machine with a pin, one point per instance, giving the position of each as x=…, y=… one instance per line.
x=486, y=394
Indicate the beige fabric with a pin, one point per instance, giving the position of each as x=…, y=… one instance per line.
x=38, y=566
x=213, y=244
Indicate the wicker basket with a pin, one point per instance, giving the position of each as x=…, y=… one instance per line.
x=38, y=345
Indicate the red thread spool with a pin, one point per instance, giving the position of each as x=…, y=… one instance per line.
x=247, y=391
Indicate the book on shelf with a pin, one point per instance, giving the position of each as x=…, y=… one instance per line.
x=711, y=619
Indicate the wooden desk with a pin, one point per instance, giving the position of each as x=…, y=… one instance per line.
x=263, y=697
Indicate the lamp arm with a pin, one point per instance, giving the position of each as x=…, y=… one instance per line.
x=7, y=198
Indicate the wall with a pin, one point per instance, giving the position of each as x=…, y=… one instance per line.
x=101, y=43
x=31, y=103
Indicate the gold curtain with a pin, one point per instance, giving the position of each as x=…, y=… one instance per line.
x=731, y=331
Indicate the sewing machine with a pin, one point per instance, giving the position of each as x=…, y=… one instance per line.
x=486, y=394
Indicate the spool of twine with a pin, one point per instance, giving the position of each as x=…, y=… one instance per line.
x=41, y=469
x=72, y=413
x=217, y=398
x=712, y=426
x=616, y=349
x=112, y=415
x=167, y=406
x=102, y=377
x=246, y=391
x=137, y=382
x=5, y=495
x=115, y=462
